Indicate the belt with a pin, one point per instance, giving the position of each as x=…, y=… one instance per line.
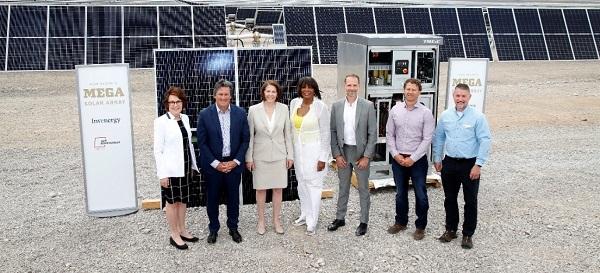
x=227, y=158
x=405, y=155
x=459, y=158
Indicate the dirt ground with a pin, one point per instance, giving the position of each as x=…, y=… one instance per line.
x=539, y=208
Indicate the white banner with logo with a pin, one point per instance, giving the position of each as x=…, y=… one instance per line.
x=472, y=72
x=106, y=139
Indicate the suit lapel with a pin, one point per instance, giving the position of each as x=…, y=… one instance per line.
x=357, y=116
x=217, y=121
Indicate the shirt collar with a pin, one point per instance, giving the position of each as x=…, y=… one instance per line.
x=221, y=112
x=417, y=105
x=350, y=104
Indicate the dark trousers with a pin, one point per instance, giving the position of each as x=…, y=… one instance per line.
x=215, y=184
x=418, y=174
x=454, y=173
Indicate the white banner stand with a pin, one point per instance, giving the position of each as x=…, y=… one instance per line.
x=106, y=139
x=472, y=72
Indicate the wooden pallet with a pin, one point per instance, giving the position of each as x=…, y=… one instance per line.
x=432, y=180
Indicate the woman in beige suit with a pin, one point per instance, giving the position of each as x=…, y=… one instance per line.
x=270, y=153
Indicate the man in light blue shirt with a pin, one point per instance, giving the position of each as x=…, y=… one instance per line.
x=460, y=148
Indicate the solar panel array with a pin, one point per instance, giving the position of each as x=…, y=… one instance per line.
x=60, y=37
x=318, y=26
x=545, y=34
x=197, y=70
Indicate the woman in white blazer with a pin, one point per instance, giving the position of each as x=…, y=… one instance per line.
x=310, y=125
x=270, y=153
x=175, y=162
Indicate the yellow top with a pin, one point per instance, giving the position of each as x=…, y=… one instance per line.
x=297, y=120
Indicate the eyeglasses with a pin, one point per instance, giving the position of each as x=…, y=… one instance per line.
x=175, y=102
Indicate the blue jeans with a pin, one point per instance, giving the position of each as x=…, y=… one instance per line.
x=418, y=174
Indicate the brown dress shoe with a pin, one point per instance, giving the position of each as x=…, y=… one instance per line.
x=419, y=234
x=467, y=242
x=396, y=228
x=447, y=236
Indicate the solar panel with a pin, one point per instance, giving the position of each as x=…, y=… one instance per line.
x=330, y=20
x=594, y=15
x=584, y=47
x=210, y=41
x=477, y=46
x=28, y=21
x=279, y=34
x=176, y=42
x=389, y=20
x=209, y=20
x=243, y=13
x=502, y=21
x=508, y=47
x=175, y=21
x=65, y=53
x=528, y=21
x=67, y=21
x=559, y=47
x=104, y=21
x=534, y=47
x=597, y=38
x=3, y=22
x=328, y=49
x=305, y=40
x=417, y=20
x=285, y=66
x=104, y=50
x=577, y=21
x=138, y=51
x=2, y=53
x=452, y=47
x=230, y=10
x=196, y=71
x=26, y=54
x=359, y=20
x=299, y=20
x=471, y=20
x=267, y=17
x=444, y=21
x=140, y=21
x=552, y=21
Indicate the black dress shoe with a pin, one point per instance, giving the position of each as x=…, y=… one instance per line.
x=235, y=235
x=336, y=224
x=212, y=238
x=173, y=243
x=467, y=242
x=361, y=229
x=191, y=240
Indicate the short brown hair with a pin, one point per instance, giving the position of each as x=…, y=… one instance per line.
x=413, y=81
x=352, y=76
x=175, y=91
x=463, y=87
x=264, y=87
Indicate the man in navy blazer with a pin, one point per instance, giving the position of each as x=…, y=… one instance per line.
x=223, y=138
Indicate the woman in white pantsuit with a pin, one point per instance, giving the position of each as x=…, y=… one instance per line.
x=270, y=153
x=310, y=123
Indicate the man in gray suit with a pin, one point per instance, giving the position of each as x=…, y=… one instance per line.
x=353, y=138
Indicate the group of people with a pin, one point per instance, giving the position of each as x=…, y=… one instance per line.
x=272, y=138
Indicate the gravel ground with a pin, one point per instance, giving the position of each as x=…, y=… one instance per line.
x=538, y=208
